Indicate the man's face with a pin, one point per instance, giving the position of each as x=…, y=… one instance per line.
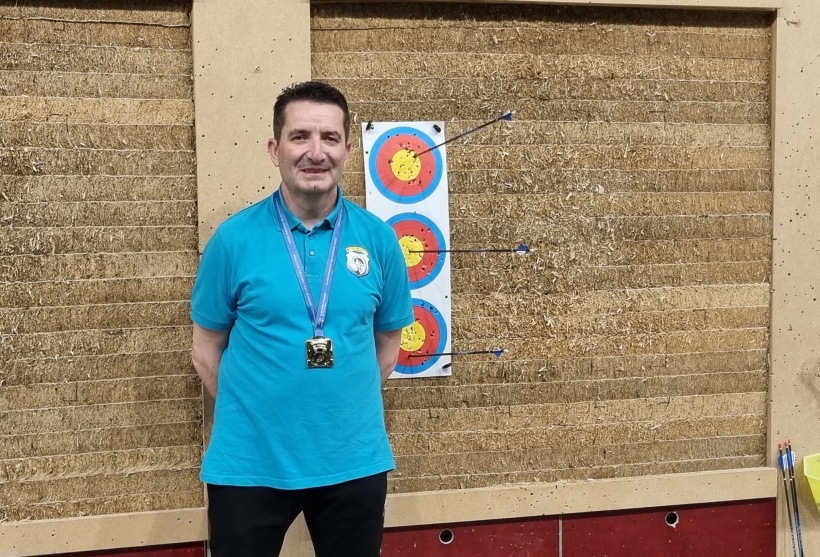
x=312, y=149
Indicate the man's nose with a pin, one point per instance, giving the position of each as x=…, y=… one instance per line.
x=315, y=151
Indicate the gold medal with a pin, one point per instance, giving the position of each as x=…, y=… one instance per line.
x=319, y=352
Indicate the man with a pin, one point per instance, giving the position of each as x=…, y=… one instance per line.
x=298, y=308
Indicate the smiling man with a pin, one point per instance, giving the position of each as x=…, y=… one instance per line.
x=298, y=307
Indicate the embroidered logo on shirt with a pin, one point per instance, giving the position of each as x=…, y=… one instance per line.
x=358, y=262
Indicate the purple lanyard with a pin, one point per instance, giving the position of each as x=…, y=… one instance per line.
x=316, y=319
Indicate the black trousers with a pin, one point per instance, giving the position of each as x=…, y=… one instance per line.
x=344, y=520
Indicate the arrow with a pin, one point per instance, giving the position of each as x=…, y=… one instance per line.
x=506, y=116
x=520, y=250
x=790, y=456
x=783, y=473
x=495, y=351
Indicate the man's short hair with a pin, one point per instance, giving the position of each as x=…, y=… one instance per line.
x=313, y=91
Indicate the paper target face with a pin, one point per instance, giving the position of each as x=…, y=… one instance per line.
x=409, y=191
x=422, y=341
x=418, y=234
x=398, y=171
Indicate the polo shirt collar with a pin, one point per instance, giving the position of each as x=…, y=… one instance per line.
x=294, y=222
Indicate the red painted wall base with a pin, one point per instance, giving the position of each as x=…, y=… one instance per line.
x=744, y=528
x=535, y=536
x=747, y=528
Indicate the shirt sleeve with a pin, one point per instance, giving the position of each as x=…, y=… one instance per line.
x=396, y=308
x=213, y=304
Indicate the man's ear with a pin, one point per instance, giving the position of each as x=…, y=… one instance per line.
x=273, y=151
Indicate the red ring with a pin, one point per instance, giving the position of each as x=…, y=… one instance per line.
x=431, y=332
x=385, y=172
x=428, y=240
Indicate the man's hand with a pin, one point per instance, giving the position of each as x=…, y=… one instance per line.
x=208, y=346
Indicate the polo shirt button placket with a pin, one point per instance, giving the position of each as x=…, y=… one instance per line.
x=309, y=236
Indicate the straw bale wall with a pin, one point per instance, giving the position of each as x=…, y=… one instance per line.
x=100, y=411
x=638, y=166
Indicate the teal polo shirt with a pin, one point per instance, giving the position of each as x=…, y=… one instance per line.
x=278, y=423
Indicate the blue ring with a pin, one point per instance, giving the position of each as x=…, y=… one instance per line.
x=437, y=233
x=374, y=172
x=442, y=327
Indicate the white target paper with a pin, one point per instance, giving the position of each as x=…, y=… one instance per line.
x=408, y=189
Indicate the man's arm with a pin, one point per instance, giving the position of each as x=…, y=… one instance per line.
x=208, y=346
x=387, y=351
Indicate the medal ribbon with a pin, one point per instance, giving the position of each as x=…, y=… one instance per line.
x=317, y=319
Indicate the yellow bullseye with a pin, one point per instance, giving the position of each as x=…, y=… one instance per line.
x=410, y=244
x=406, y=165
x=412, y=337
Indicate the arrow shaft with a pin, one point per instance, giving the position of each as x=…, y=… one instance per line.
x=464, y=251
x=786, y=496
x=468, y=132
x=789, y=456
x=462, y=353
